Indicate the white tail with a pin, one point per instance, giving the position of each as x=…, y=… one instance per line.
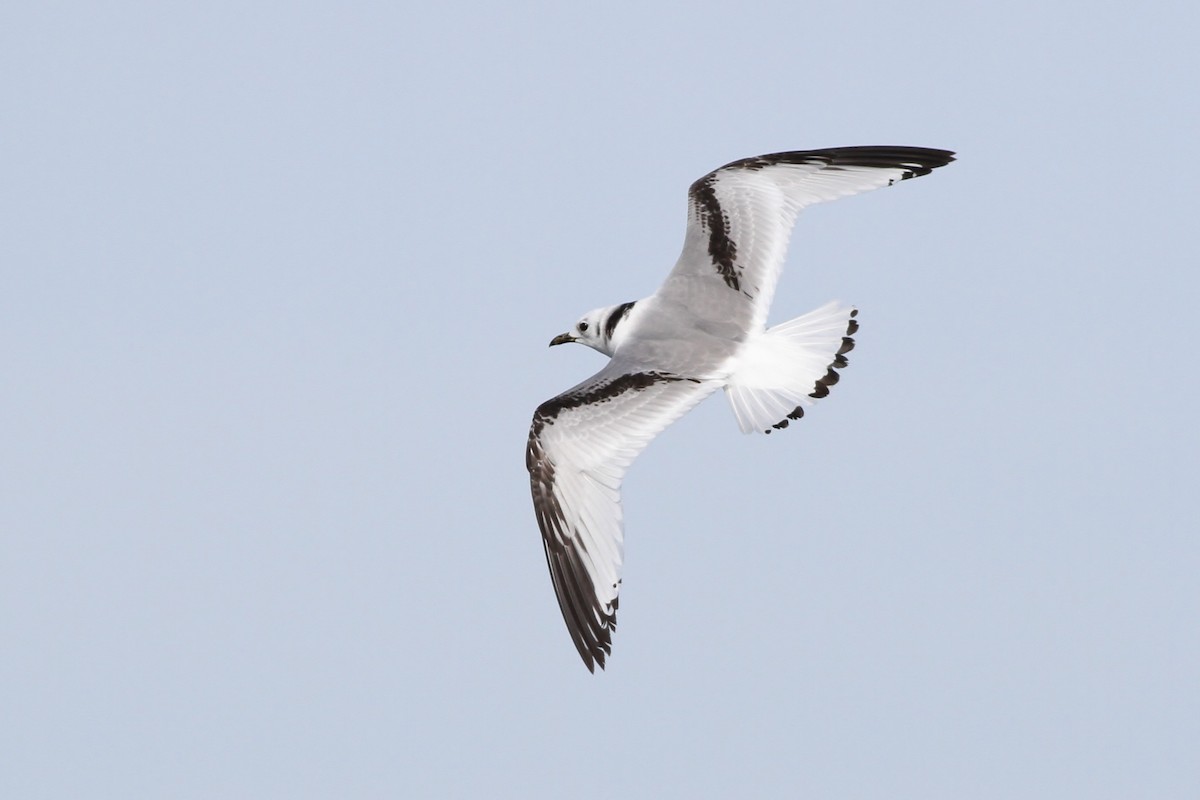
x=782, y=370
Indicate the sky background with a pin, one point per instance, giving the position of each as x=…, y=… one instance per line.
x=276, y=283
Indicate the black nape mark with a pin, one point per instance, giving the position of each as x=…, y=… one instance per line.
x=619, y=313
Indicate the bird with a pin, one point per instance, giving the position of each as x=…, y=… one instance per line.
x=704, y=329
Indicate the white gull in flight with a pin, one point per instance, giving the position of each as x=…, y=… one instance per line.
x=703, y=330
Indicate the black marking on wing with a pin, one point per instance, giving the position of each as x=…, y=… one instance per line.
x=589, y=621
x=619, y=313
x=915, y=161
x=601, y=392
x=712, y=218
x=589, y=624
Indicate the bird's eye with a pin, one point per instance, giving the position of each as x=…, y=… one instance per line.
x=582, y=327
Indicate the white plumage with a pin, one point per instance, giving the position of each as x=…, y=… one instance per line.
x=702, y=330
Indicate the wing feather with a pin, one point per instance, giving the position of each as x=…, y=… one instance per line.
x=580, y=445
x=740, y=218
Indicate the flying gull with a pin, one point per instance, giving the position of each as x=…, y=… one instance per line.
x=703, y=330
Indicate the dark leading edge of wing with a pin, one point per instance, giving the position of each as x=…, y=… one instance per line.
x=588, y=619
x=917, y=161
x=590, y=627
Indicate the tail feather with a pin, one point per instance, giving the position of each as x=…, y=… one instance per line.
x=789, y=367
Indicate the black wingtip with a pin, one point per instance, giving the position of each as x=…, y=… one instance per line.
x=916, y=161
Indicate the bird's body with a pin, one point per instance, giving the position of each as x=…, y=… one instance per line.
x=704, y=329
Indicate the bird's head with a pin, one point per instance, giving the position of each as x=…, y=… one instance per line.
x=600, y=329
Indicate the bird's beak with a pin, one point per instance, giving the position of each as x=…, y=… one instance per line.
x=562, y=338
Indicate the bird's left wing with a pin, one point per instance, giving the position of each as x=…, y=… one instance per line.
x=580, y=445
x=740, y=218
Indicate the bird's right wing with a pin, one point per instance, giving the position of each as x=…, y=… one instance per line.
x=580, y=445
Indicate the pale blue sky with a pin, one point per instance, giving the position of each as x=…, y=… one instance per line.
x=276, y=283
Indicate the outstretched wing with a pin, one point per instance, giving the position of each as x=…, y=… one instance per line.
x=740, y=218
x=580, y=445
